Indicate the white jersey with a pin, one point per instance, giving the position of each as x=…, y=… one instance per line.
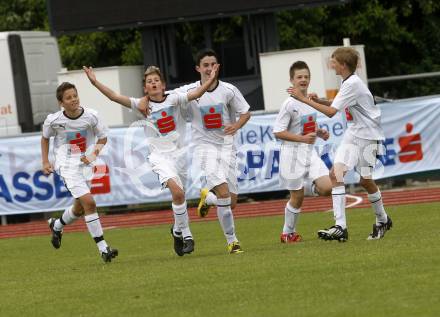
x=166, y=125
x=363, y=113
x=73, y=136
x=210, y=113
x=295, y=117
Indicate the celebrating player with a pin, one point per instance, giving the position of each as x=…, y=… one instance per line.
x=359, y=146
x=214, y=124
x=296, y=126
x=166, y=120
x=75, y=129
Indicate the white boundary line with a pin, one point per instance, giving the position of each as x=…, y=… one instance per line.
x=357, y=201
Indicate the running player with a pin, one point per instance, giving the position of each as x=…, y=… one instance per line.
x=75, y=129
x=167, y=120
x=214, y=124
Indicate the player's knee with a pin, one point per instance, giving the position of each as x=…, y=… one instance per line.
x=233, y=204
x=325, y=191
x=222, y=191
x=332, y=176
x=89, y=205
x=178, y=196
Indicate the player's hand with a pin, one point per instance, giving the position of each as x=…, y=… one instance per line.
x=47, y=168
x=323, y=134
x=296, y=93
x=313, y=96
x=144, y=106
x=214, y=72
x=90, y=74
x=88, y=159
x=230, y=129
x=309, y=138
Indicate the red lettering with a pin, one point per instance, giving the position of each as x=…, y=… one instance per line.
x=79, y=144
x=166, y=124
x=348, y=115
x=212, y=120
x=101, y=180
x=410, y=146
x=309, y=126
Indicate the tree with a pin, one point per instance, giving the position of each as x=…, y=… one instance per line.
x=23, y=15
x=400, y=37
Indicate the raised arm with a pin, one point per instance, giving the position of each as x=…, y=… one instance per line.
x=199, y=91
x=106, y=91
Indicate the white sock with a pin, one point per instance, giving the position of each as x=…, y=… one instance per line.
x=377, y=203
x=66, y=218
x=224, y=214
x=94, y=225
x=291, y=216
x=181, y=220
x=338, y=197
x=211, y=199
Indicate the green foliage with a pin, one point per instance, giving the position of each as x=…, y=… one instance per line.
x=23, y=15
x=400, y=37
x=396, y=276
x=101, y=49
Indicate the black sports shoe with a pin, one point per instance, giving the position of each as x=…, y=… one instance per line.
x=334, y=233
x=380, y=229
x=188, y=245
x=178, y=244
x=56, y=235
x=109, y=254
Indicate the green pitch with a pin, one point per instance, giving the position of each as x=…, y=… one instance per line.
x=396, y=276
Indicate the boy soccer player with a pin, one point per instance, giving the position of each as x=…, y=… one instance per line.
x=359, y=146
x=166, y=112
x=296, y=126
x=74, y=129
x=214, y=124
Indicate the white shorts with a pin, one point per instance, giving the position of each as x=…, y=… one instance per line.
x=215, y=165
x=77, y=179
x=170, y=166
x=357, y=153
x=299, y=162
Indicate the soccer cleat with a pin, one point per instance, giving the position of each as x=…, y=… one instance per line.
x=188, y=246
x=203, y=207
x=380, y=229
x=235, y=248
x=334, y=233
x=109, y=254
x=290, y=237
x=178, y=244
x=56, y=235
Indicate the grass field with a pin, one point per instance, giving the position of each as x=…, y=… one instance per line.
x=396, y=276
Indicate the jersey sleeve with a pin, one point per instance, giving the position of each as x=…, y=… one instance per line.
x=134, y=106
x=100, y=129
x=47, y=129
x=238, y=103
x=181, y=98
x=283, y=119
x=345, y=97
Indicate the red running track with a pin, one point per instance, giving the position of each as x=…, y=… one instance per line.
x=253, y=209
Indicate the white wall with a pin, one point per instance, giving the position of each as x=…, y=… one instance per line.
x=126, y=80
x=8, y=112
